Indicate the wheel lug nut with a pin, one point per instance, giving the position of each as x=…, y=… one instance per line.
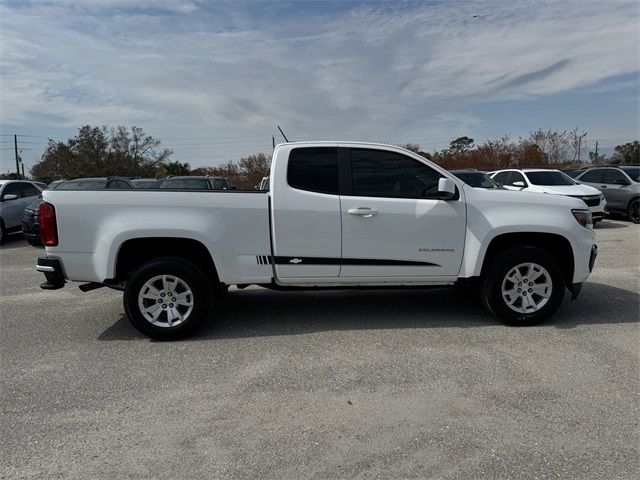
x=164, y=306
x=162, y=294
x=171, y=305
x=159, y=300
x=530, y=290
x=519, y=283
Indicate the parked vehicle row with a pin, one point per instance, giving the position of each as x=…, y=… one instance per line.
x=552, y=182
x=15, y=196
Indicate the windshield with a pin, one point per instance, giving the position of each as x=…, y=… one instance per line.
x=88, y=184
x=633, y=172
x=186, y=183
x=476, y=179
x=550, y=178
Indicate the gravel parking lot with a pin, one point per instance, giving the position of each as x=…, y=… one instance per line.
x=374, y=384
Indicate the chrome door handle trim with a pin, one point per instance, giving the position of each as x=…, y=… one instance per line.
x=362, y=211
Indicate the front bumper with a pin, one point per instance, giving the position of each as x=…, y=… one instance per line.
x=592, y=257
x=53, y=272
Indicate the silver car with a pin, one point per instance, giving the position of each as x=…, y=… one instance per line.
x=15, y=195
x=620, y=186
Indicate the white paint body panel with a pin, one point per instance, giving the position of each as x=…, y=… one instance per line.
x=235, y=228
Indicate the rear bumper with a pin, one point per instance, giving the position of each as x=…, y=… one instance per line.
x=53, y=272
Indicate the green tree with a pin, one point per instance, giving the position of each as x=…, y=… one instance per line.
x=174, y=168
x=461, y=145
x=628, y=153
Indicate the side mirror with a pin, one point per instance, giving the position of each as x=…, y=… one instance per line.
x=9, y=196
x=446, y=189
x=518, y=184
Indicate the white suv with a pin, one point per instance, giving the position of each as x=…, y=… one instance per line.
x=553, y=182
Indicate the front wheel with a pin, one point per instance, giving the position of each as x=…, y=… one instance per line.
x=634, y=211
x=523, y=286
x=167, y=298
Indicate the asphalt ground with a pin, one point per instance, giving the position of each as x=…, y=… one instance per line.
x=374, y=384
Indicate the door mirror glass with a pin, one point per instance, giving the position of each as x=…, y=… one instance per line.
x=9, y=196
x=446, y=189
x=518, y=184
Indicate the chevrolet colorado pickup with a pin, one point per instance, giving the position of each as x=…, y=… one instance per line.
x=336, y=215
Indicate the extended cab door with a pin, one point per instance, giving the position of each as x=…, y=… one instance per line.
x=306, y=228
x=393, y=225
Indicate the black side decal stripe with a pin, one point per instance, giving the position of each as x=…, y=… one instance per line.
x=351, y=261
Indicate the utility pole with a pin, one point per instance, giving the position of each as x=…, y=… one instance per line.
x=15, y=150
x=596, y=159
x=273, y=142
x=22, y=165
x=579, y=146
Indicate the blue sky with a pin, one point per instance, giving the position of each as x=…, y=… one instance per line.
x=212, y=79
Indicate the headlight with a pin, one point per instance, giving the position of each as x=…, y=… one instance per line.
x=583, y=217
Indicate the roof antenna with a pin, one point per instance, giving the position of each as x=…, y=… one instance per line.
x=285, y=137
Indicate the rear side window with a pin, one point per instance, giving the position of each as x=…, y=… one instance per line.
x=378, y=173
x=502, y=177
x=314, y=169
x=594, y=176
x=219, y=184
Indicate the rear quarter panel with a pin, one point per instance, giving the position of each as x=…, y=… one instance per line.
x=92, y=225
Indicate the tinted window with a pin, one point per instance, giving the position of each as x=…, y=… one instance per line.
x=550, y=178
x=593, y=176
x=476, y=179
x=612, y=175
x=29, y=190
x=11, y=189
x=314, y=169
x=633, y=172
x=219, y=184
x=502, y=177
x=82, y=185
x=122, y=184
x=377, y=173
x=144, y=183
x=186, y=183
x=516, y=177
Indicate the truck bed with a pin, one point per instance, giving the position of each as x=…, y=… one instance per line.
x=233, y=225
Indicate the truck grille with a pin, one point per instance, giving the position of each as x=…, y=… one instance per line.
x=590, y=200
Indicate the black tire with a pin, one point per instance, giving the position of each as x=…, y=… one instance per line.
x=3, y=232
x=492, y=283
x=633, y=211
x=191, y=276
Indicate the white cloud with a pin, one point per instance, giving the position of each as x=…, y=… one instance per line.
x=373, y=73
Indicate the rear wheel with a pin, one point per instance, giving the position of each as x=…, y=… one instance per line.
x=523, y=286
x=633, y=211
x=168, y=298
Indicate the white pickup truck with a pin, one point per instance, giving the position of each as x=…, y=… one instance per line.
x=337, y=215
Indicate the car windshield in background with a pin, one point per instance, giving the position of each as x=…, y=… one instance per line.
x=138, y=183
x=476, y=179
x=186, y=184
x=633, y=172
x=89, y=184
x=550, y=178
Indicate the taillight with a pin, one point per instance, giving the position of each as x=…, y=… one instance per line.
x=47, y=224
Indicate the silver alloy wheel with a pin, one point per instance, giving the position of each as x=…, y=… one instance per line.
x=165, y=301
x=527, y=288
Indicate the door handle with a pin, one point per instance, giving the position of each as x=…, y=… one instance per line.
x=362, y=211
x=603, y=186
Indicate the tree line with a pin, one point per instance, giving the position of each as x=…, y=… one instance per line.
x=130, y=152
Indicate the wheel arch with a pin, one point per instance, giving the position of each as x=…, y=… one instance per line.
x=556, y=244
x=136, y=251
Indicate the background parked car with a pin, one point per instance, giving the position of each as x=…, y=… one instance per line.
x=195, y=183
x=144, y=182
x=620, y=185
x=554, y=182
x=30, y=228
x=15, y=195
x=474, y=178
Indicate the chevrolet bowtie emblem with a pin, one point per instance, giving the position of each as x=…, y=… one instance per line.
x=295, y=260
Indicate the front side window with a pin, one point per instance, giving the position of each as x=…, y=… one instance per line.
x=378, y=173
x=592, y=176
x=502, y=178
x=476, y=179
x=11, y=189
x=186, y=184
x=314, y=169
x=517, y=177
x=633, y=172
x=28, y=190
x=611, y=176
